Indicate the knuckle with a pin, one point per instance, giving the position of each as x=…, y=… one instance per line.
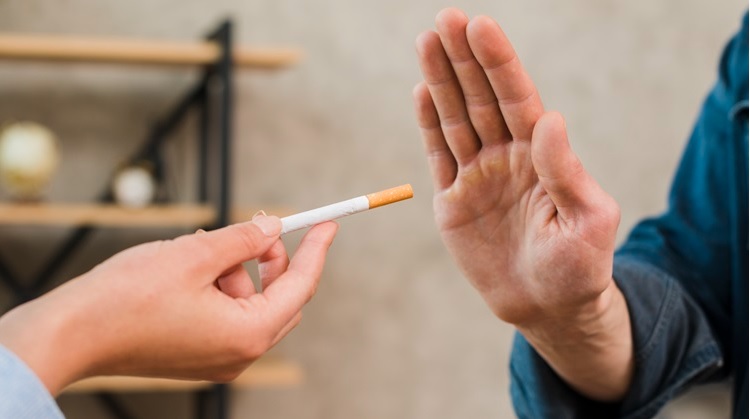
x=307, y=291
x=199, y=252
x=249, y=238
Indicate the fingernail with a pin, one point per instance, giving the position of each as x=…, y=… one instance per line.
x=200, y=231
x=270, y=226
x=259, y=213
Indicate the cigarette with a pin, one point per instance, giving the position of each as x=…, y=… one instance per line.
x=342, y=209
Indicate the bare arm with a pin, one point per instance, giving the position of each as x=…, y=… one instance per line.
x=530, y=229
x=183, y=308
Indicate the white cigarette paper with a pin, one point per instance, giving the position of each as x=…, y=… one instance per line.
x=341, y=209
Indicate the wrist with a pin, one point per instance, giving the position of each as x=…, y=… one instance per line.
x=575, y=323
x=46, y=334
x=590, y=347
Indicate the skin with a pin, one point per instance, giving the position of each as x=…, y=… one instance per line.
x=182, y=308
x=529, y=227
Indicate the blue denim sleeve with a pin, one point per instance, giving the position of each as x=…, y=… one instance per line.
x=22, y=395
x=677, y=272
x=673, y=347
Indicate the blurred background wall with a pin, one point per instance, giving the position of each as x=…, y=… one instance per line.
x=394, y=331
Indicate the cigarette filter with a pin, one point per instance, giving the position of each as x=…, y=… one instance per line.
x=341, y=209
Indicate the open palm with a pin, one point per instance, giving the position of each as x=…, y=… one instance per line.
x=528, y=226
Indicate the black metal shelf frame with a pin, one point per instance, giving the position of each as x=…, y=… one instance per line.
x=212, y=97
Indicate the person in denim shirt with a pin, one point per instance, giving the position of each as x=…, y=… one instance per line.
x=601, y=333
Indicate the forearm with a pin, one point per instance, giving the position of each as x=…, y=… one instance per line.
x=50, y=336
x=591, y=349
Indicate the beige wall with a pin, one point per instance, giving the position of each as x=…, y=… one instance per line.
x=394, y=330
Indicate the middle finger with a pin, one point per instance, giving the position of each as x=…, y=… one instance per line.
x=448, y=98
x=481, y=102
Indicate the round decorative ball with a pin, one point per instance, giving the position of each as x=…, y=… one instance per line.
x=28, y=159
x=134, y=187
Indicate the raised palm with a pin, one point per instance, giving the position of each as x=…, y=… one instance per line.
x=528, y=226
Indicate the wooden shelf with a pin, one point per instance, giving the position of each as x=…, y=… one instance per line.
x=106, y=215
x=80, y=49
x=267, y=372
x=110, y=215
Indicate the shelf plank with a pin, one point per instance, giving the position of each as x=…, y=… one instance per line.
x=106, y=215
x=110, y=215
x=267, y=372
x=81, y=49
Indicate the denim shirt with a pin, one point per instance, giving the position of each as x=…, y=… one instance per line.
x=684, y=275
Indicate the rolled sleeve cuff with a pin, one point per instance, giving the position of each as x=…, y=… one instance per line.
x=22, y=394
x=673, y=345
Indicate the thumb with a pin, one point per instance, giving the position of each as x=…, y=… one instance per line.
x=221, y=249
x=560, y=171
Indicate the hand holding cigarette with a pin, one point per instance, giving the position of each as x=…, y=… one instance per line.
x=192, y=313
x=341, y=209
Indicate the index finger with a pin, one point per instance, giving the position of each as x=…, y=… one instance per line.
x=216, y=251
x=286, y=295
x=519, y=100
